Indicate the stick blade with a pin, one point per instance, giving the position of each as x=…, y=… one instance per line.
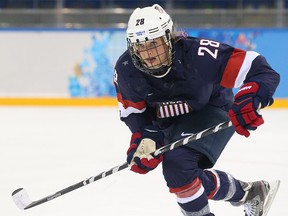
x=21, y=198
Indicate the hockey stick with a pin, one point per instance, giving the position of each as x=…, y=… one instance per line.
x=22, y=200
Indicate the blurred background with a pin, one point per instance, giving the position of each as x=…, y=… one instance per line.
x=55, y=52
x=115, y=13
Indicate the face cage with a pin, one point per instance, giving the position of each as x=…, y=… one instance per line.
x=158, y=70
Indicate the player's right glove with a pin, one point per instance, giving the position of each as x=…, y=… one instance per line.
x=142, y=144
x=243, y=113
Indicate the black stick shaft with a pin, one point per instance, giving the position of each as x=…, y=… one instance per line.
x=113, y=170
x=78, y=185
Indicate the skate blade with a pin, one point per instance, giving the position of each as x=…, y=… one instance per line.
x=274, y=186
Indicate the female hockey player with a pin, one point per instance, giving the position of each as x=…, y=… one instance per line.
x=169, y=86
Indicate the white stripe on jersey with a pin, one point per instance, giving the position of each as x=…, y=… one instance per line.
x=129, y=110
x=177, y=110
x=171, y=110
x=181, y=108
x=161, y=111
x=249, y=57
x=186, y=108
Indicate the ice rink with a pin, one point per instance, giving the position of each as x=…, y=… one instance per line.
x=46, y=149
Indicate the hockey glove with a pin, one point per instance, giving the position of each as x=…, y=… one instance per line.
x=141, y=145
x=243, y=113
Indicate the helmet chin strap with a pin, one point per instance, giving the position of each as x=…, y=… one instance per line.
x=164, y=74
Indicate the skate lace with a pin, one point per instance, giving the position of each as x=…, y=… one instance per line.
x=250, y=208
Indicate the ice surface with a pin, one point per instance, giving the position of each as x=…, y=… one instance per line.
x=46, y=149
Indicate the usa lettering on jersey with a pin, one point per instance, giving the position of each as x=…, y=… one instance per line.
x=173, y=108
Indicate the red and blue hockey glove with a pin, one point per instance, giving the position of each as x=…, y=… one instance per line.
x=141, y=145
x=243, y=113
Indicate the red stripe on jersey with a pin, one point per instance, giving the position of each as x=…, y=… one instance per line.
x=232, y=68
x=127, y=103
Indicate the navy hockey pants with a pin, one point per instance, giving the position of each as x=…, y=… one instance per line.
x=183, y=164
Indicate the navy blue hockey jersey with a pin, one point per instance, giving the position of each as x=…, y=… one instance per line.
x=203, y=72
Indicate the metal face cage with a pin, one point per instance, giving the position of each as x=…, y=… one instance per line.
x=154, y=56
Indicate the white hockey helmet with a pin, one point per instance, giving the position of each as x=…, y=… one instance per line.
x=146, y=24
x=149, y=22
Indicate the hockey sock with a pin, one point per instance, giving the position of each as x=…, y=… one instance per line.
x=222, y=186
x=192, y=199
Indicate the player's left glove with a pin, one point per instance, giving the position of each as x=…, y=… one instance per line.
x=243, y=113
x=141, y=145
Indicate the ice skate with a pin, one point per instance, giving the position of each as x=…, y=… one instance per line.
x=258, y=197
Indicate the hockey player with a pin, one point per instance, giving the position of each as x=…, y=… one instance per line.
x=169, y=86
